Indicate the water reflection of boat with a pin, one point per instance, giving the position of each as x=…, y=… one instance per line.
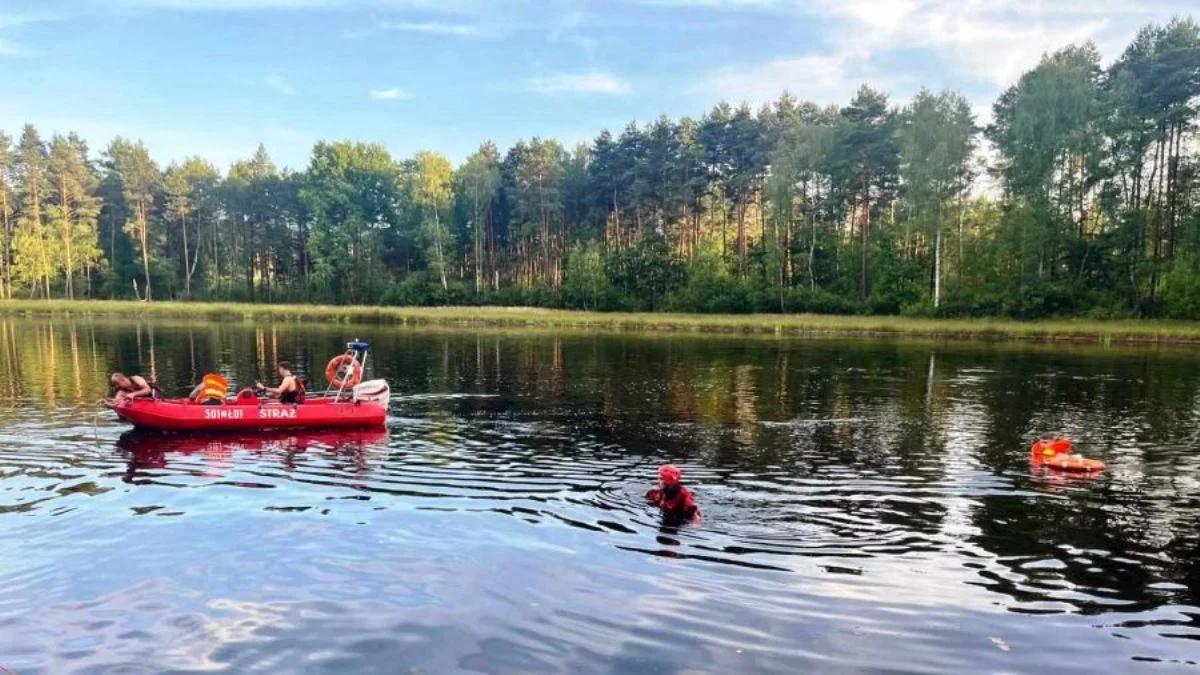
x=150, y=448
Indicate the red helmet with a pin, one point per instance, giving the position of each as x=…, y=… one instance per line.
x=669, y=474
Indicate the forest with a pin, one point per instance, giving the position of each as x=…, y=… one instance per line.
x=1081, y=197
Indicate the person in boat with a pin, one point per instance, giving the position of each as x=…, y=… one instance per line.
x=675, y=500
x=128, y=387
x=290, y=389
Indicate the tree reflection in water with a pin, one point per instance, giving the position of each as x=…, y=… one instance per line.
x=866, y=456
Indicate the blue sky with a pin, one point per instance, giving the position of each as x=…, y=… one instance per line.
x=216, y=77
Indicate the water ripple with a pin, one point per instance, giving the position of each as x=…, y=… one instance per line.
x=857, y=514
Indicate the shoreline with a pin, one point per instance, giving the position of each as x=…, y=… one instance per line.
x=1049, y=330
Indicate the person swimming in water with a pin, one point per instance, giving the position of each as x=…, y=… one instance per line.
x=290, y=389
x=671, y=496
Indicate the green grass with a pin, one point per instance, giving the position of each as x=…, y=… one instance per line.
x=1077, y=330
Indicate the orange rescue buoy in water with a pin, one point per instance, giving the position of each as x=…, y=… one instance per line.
x=1055, y=453
x=1049, y=447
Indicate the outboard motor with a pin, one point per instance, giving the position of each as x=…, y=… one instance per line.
x=373, y=391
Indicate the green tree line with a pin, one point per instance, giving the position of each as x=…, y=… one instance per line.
x=1081, y=197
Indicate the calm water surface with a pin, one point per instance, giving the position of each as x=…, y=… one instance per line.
x=868, y=506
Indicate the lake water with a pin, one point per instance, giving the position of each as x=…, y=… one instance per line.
x=867, y=506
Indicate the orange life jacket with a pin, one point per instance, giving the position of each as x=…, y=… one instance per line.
x=213, y=388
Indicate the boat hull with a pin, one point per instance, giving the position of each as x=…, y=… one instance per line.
x=181, y=415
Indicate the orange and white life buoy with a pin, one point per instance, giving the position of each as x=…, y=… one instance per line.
x=343, y=371
x=1074, y=463
x=1055, y=453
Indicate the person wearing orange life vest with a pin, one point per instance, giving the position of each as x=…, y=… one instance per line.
x=671, y=496
x=290, y=389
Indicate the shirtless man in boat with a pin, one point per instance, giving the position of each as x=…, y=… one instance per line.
x=128, y=387
x=290, y=389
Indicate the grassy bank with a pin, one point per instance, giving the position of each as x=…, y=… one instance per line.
x=1179, y=332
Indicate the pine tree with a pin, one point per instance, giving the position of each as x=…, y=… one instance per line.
x=32, y=260
x=478, y=181
x=140, y=182
x=190, y=190
x=74, y=208
x=7, y=220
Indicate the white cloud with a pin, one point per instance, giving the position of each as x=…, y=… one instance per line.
x=982, y=44
x=497, y=20
x=579, y=83
x=825, y=79
x=390, y=94
x=990, y=41
x=431, y=27
x=280, y=85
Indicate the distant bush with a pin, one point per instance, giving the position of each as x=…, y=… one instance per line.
x=710, y=287
x=523, y=296
x=416, y=289
x=644, y=275
x=586, y=285
x=821, y=302
x=1181, y=290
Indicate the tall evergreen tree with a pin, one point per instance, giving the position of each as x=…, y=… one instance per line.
x=190, y=191
x=351, y=192
x=866, y=159
x=478, y=181
x=532, y=173
x=140, y=181
x=73, y=209
x=7, y=212
x=862, y=207
x=32, y=260
x=1047, y=130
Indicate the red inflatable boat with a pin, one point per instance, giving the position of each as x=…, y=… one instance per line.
x=186, y=415
x=348, y=403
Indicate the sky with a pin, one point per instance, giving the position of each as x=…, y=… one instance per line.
x=217, y=77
